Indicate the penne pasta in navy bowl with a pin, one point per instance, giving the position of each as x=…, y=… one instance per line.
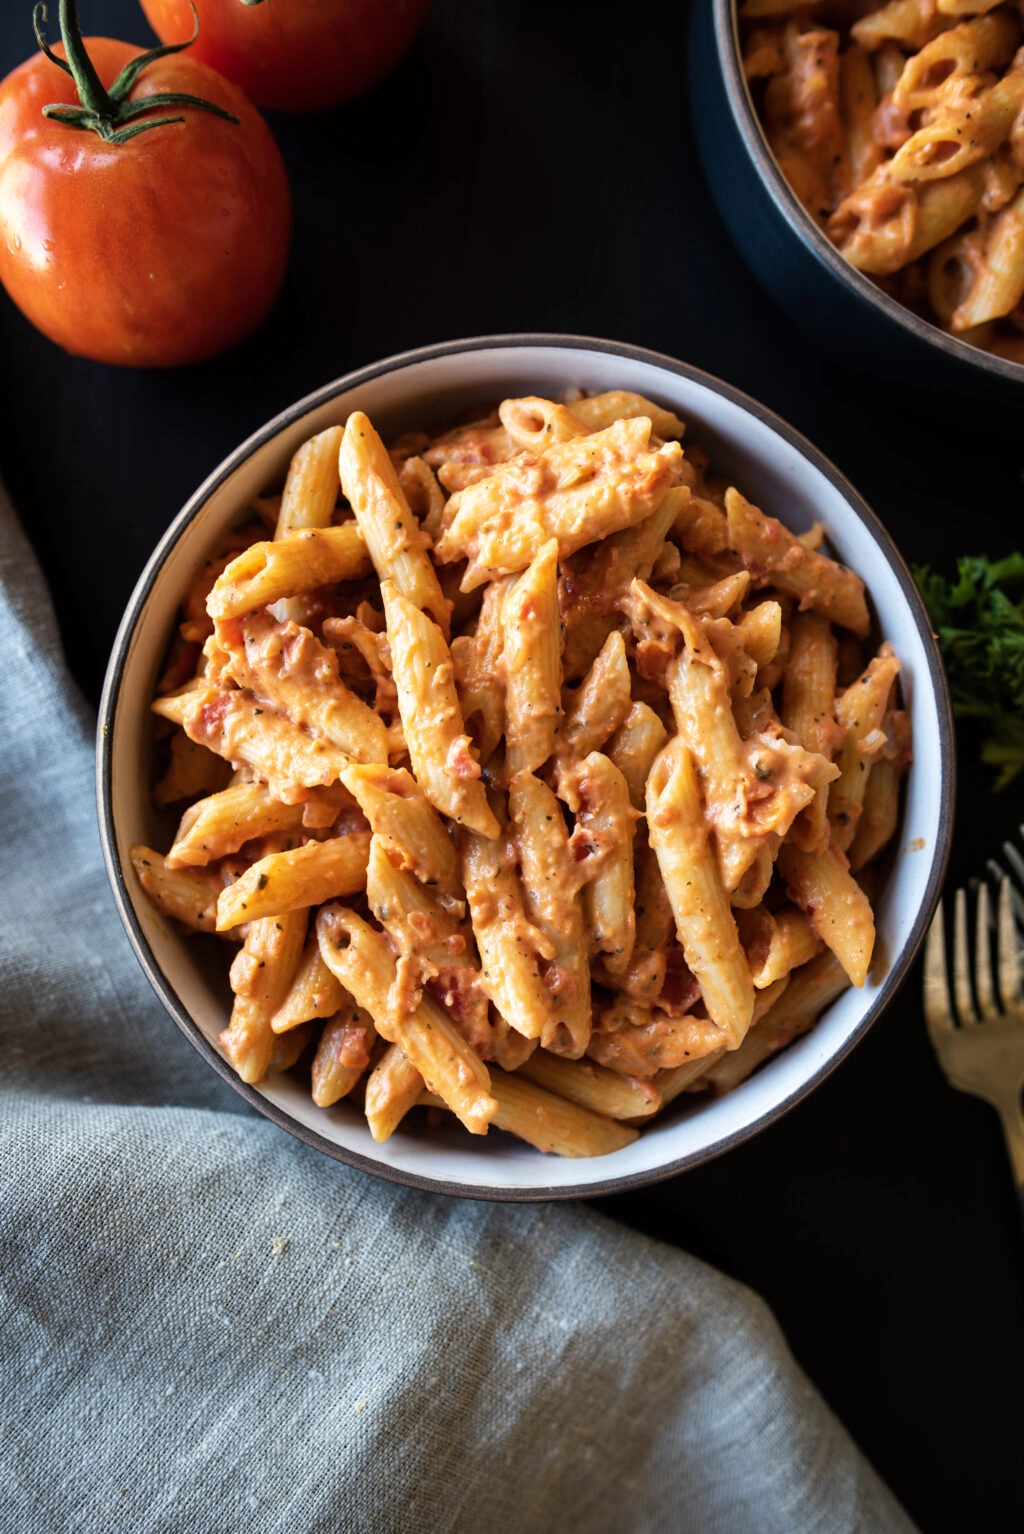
x=849, y=317
x=752, y=449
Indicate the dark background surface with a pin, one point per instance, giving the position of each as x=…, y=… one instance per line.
x=532, y=167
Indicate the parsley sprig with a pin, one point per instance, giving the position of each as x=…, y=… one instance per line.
x=979, y=619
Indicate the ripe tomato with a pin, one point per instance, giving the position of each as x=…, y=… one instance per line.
x=157, y=251
x=295, y=55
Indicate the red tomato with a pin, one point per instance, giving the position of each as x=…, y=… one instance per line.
x=295, y=55
x=161, y=250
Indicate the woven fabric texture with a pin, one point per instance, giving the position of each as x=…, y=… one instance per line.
x=208, y=1327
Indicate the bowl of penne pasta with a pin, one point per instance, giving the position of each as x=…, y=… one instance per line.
x=868, y=159
x=525, y=768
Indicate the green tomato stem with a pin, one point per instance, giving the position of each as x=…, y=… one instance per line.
x=108, y=113
x=91, y=91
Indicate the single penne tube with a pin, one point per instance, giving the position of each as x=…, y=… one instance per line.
x=592, y=1086
x=551, y=882
x=312, y=486
x=599, y=705
x=773, y=554
x=191, y=770
x=188, y=894
x=655, y=924
x=606, y=817
x=536, y=423
x=700, y=691
x=776, y=942
x=509, y=1048
x=821, y=884
x=592, y=486
x=531, y=662
x=712, y=599
x=860, y=712
x=998, y=286
x=598, y=411
x=261, y=975
x=960, y=133
x=510, y=946
x=342, y=1054
x=858, y=98
x=392, y=1088
x=285, y=665
x=971, y=48
x=753, y=886
x=291, y=881
x=224, y=822
x=423, y=493
x=479, y=678
x=248, y=735
x=290, y=1046
x=364, y=961
x=880, y=815
x=886, y=224
x=810, y=990
x=398, y=546
x=808, y=709
x=552, y=1124
x=411, y=830
x=314, y=992
x=431, y=719
x=432, y=944
x=673, y=1083
x=633, y=748
x=704, y=922
x=267, y=572
x=913, y=23
x=636, y=1037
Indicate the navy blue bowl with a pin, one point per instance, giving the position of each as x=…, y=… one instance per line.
x=844, y=312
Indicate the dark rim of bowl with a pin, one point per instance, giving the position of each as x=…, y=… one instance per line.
x=112, y=686
x=726, y=18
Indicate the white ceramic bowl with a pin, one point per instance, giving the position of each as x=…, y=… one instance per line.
x=774, y=466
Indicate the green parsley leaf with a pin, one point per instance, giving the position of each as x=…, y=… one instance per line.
x=979, y=619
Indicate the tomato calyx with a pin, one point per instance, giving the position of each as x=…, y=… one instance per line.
x=109, y=113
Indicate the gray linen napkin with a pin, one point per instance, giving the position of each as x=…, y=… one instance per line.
x=207, y=1326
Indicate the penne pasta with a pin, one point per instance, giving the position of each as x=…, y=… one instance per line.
x=408, y=826
x=580, y=491
x=396, y=544
x=821, y=884
x=311, y=489
x=314, y=992
x=190, y=895
x=269, y=572
x=551, y=884
x=342, y=1055
x=704, y=922
x=364, y=962
x=429, y=705
x=531, y=662
x=291, y=881
x=261, y=975
x=595, y=839
x=222, y=823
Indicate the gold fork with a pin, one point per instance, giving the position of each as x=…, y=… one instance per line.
x=984, y=1053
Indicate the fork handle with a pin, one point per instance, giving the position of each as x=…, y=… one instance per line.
x=1013, y=1132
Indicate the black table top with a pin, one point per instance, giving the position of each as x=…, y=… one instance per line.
x=532, y=167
